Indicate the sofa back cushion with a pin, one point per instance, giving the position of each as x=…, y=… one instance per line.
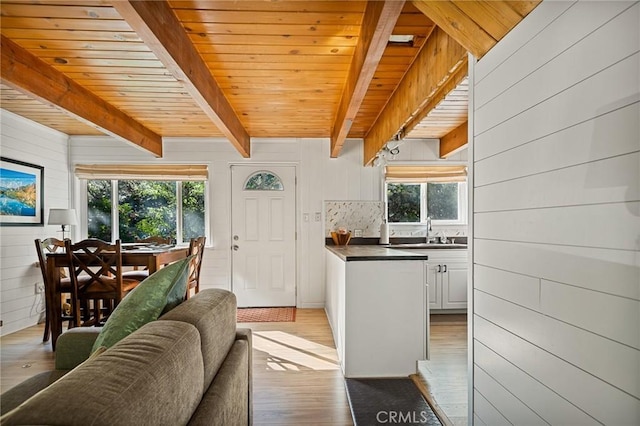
x=213, y=313
x=153, y=376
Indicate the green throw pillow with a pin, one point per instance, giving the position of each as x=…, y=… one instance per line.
x=160, y=292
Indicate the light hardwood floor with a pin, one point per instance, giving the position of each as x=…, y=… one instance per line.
x=22, y=355
x=297, y=379
x=445, y=374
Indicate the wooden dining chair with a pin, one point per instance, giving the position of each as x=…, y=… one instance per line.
x=196, y=249
x=95, y=269
x=53, y=292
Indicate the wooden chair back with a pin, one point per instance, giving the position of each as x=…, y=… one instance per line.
x=51, y=293
x=44, y=247
x=95, y=269
x=196, y=249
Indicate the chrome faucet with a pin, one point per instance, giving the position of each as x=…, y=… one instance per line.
x=427, y=238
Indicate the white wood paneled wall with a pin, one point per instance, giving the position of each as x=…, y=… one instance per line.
x=27, y=141
x=556, y=155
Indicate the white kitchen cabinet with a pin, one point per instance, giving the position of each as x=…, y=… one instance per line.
x=377, y=312
x=447, y=279
x=334, y=301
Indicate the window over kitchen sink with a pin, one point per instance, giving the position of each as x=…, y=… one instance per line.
x=413, y=193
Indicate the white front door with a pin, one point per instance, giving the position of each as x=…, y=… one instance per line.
x=263, y=235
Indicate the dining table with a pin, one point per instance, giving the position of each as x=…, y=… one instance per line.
x=152, y=257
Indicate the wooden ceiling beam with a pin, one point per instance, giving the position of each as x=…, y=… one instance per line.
x=377, y=25
x=27, y=73
x=496, y=17
x=454, y=140
x=452, y=82
x=438, y=62
x=157, y=25
x=523, y=7
x=463, y=29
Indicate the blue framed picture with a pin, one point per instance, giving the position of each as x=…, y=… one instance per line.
x=21, y=193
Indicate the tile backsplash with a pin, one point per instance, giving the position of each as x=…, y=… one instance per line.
x=367, y=216
x=419, y=230
x=364, y=215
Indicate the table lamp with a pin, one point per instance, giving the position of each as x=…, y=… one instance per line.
x=62, y=217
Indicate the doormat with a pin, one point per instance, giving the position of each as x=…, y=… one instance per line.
x=394, y=401
x=267, y=314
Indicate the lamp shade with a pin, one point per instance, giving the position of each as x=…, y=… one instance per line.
x=62, y=217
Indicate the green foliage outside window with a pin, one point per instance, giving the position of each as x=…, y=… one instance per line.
x=403, y=202
x=192, y=210
x=442, y=201
x=99, y=209
x=264, y=181
x=145, y=209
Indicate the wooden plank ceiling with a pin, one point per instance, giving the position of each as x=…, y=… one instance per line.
x=247, y=69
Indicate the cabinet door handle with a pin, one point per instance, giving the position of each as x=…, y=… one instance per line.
x=439, y=268
x=445, y=268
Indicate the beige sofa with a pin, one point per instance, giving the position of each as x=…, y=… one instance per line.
x=191, y=366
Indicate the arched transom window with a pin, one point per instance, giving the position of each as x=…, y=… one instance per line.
x=263, y=181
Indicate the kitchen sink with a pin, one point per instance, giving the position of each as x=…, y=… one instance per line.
x=423, y=246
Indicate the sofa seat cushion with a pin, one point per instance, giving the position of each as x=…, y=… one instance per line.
x=153, y=376
x=213, y=313
x=162, y=291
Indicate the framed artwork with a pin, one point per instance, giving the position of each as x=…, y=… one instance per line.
x=21, y=193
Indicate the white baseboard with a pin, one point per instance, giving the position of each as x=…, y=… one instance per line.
x=311, y=306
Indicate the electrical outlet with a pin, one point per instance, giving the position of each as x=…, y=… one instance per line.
x=39, y=288
x=357, y=232
x=318, y=216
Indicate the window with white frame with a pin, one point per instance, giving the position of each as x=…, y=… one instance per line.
x=414, y=193
x=136, y=204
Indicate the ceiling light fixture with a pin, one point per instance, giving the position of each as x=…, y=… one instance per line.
x=401, y=40
x=379, y=161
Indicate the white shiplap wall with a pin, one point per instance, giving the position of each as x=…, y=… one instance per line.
x=24, y=140
x=556, y=194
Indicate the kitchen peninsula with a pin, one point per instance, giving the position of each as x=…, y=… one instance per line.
x=376, y=303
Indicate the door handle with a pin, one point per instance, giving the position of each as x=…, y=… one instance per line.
x=235, y=247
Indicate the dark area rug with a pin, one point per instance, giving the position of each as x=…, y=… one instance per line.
x=388, y=402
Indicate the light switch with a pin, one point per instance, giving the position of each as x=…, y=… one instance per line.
x=305, y=217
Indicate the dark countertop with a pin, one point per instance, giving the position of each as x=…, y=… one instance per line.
x=374, y=252
x=358, y=241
